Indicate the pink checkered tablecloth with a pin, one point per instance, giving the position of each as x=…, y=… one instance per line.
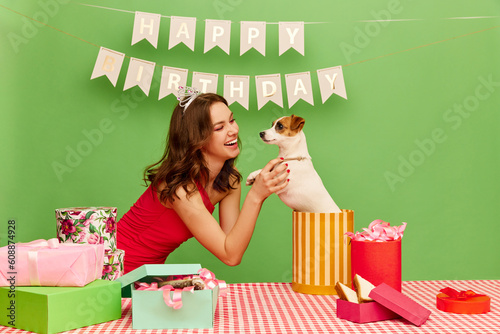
x=275, y=308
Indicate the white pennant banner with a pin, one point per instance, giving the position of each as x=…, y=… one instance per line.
x=171, y=79
x=268, y=89
x=146, y=26
x=140, y=73
x=331, y=81
x=253, y=35
x=291, y=35
x=298, y=86
x=217, y=33
x=182, y=29
x=205, y=82
x=108, y=63
x=237, y=89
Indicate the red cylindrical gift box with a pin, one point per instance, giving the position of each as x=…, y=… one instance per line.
x=377, y=262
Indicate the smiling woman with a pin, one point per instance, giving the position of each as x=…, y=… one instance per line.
x=224, y=140
x=195, y=173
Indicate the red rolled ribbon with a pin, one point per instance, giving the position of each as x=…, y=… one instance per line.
x=459, y=295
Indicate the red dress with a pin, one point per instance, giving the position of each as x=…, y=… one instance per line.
x=149, y=231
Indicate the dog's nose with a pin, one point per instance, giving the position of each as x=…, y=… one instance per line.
x=262, y=134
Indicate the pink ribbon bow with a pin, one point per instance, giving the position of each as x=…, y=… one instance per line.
x=380, y=231
x=209, y=278
x=33, y=256
x=175, y=302
x=50, y=243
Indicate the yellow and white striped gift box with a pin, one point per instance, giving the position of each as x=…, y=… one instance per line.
x=321, y=254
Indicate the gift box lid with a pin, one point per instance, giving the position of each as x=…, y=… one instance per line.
x=474, y=304
x=400, y=304
x=145, y=273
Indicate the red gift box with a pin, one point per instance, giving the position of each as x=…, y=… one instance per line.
x=364, y=312
x=377, y=262
x=464, y=302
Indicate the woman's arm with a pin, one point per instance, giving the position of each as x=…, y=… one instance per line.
x=229, y=208
x=230, y=245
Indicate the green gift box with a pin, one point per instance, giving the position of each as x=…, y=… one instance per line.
x=48, y=310
x=149, y=310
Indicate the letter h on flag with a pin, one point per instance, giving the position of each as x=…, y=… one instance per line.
x=237, y=89
x=146, y=26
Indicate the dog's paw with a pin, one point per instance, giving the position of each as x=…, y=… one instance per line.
x=251, y=177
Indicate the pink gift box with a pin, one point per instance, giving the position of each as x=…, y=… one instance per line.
x=49, y=263
x=364, y=312
x=401, y=304
x=388, y=304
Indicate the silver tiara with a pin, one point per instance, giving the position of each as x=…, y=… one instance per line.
x=186, y=95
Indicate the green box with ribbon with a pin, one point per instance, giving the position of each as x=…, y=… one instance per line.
x=157, y=306
x=48, y=310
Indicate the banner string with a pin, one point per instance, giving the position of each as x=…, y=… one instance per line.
x=421, y=46
x=128, y=11
x=47, y=25
x=446, y=18
x=355, y=63
x=389, y=20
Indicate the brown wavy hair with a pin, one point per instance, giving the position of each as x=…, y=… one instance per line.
x=182, y=163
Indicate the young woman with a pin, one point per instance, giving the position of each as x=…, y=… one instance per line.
x=195, y=173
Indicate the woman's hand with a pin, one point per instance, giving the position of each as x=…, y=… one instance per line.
x=272, y=178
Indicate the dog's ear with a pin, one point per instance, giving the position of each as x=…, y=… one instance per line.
x=297, y=123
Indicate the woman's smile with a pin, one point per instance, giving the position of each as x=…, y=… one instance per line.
x=223, y=143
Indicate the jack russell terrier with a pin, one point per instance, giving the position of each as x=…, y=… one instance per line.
x=305, y=191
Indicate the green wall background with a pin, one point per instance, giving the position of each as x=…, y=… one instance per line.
x=427, y=117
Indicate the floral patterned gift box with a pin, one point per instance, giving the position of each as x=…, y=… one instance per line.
x=113, y=265
x=87, y=225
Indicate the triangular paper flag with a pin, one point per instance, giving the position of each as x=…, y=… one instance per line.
x=291, y=35
x=205, y=82
x=331, y=81
x=140, y=73
x=298, y=86
x=236, y=89
x=217, y=33
x=108, y=63
x=182, y=29
x=171, y=79
x=269, y=89
x=253, y=35
x=146, y=26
